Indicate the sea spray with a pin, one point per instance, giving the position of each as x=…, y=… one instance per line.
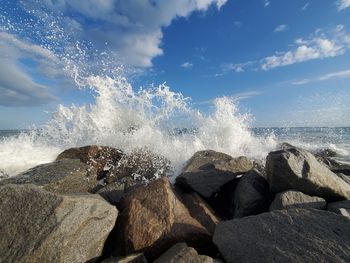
x=149, y=118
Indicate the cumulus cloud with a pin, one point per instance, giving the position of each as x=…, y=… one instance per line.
x=17, y=87
x=343, y=4
x=281, y=28
x=186, y=65
x=318, y=46
x=132, y=29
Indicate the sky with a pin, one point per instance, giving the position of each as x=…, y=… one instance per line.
x=285, y=62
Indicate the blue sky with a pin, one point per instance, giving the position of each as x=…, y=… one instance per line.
x=286, y=62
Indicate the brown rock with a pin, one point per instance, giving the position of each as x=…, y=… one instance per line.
x=154, y=219
x=200, y=210
x=181, y=253
x=99, y=157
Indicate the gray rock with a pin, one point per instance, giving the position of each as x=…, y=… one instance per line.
x=181, y=253
x=252, y=195
x=135, y=258
x=295, y=235
x=208, y=170
x=294, y=199
x=298, y=169
x=62, y=176
x=342, y=208
x=39, y=226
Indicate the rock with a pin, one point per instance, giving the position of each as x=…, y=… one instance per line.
x=62, y=176
x=100, y=157
x=342, y=208
x=344, y=177
x=295, y=235
x=181, y=253
x=208, y=170
x=200, y=210
x=294, y=199
x=114, y=191
x=252, y=195
x=153, y=219
x=135, y=258
x=39, y=226
x=297, y=169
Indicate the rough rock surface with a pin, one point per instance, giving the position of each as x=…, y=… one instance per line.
x=208, y=170
x=61, y=176
x=99, y=157
x=181, y=253
x=296, y=235
x=298, y=169
x=252, y=195
x=200, y=210
x=135, y=258
x=294, y=199
x=342, y=208
x=39, y=226
x=153, y=219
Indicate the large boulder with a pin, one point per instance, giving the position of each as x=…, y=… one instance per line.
x=102, y=158
x=251, y=196
x=62, y=176
x=208, y=170
x=181, y=253
x=296, y=235
x=298, y=169
x=200, y=210
x=341, y=208
x=294, y=199
x=39, y=226
x=153, y=219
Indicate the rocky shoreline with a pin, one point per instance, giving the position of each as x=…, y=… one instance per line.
x=98, y=204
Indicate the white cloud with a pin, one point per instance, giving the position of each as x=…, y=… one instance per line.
x=267, y=3
x=281, y=28
x=17, y=87
x=133, y=28
x=301, y=82
x=343, y=4
x=305, y=7
x=328, y=76
x=333, y=75
x=186, y=65
x=319, y=46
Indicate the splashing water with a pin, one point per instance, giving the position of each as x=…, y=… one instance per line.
x=149, y=118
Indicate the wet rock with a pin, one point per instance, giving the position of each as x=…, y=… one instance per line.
x=208, y=170
x=295, y=235
x=252, y=195
x=200, y=210
x=102, y=158
x=181, y=253
x=135, y=258
x=39, y=226
x=294, y=199
x=153, y=219
x=298, y=169
x=341, y=208
x=62, y=176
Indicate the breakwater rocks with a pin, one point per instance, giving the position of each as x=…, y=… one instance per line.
x=98, y=204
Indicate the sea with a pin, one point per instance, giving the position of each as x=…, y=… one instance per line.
x=23, y=149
